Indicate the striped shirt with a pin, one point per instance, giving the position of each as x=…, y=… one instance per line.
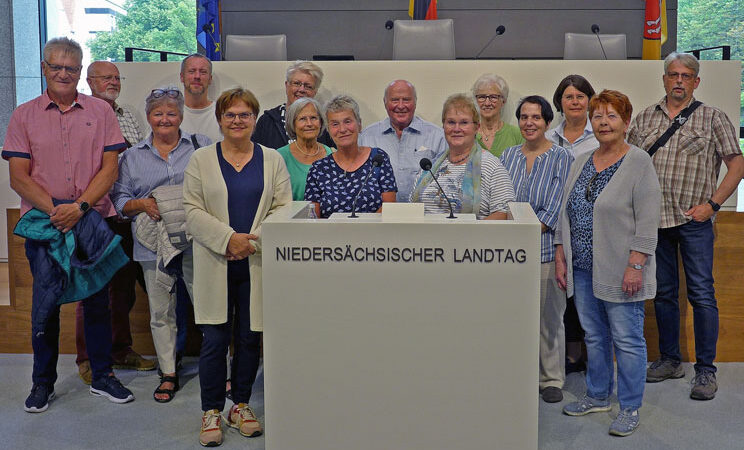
x=129, y=126
x=142, y=169
x=542, y=187
x=496, y=188
x=689, y=163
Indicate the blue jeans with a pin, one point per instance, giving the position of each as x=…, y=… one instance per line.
x=695, y=242
x=216, y=341
x=608, y=325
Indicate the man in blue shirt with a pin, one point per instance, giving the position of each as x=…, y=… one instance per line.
x=405, y=137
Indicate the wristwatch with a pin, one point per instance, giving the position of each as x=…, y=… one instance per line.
x=635, y=266
x=714, y=205
x=84, y=207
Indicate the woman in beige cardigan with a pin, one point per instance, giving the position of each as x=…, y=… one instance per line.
x=229, y=189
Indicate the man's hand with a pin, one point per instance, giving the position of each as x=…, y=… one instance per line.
x=240, y=247
x=65, y=216
x=700, y=213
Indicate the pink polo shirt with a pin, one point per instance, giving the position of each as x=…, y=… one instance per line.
x=65, y=149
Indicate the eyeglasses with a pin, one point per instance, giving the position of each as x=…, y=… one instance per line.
x=57, y=68
x=172, y=93
x=685, y=75
x=588, y=194
x=452, y=124
x=493, y=97
x=242, y=116
x=109, y=78
x=299, y=84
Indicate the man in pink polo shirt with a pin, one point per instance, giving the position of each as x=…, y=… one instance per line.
x=62, y=148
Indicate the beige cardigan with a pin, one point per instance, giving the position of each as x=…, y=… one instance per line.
x=207, y=220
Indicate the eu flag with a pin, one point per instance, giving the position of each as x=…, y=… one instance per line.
x=208, y=28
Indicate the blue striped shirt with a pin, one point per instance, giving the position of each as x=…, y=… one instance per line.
x=542, y=187
x=141, y=170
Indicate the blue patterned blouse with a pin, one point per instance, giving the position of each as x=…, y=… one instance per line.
x=580, y=209
x=334, y=188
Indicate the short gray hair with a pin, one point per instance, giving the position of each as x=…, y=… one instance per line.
x=488, y=79
x=152, y=102
x=195, y=55
x=307, y=67
x=295, y=108
x=387, y=88
x=65, y=45
x=687, y=59
x=341, y=103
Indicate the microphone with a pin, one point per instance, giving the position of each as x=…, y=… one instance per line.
x=377, y=161
x=499, y=31
x=389, y=25
x=425, y=164
x=595, y=30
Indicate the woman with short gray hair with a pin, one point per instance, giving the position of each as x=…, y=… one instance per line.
x=491, y=92
x=158, y=160
x=305, y=123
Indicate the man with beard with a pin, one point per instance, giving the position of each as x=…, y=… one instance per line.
x=404, y=136
x=198, y=111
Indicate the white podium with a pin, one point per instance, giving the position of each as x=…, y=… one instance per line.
x=401, y=336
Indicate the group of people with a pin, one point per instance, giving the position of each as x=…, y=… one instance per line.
x=187, y=200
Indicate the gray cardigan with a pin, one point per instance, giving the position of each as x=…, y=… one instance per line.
x=626, y=217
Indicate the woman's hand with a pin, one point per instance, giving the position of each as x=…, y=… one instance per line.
x=632, y=281
x=240, y=247
x=560, y=267
x=150, y=207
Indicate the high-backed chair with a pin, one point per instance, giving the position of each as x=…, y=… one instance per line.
x=243, y=47
x=586, y=46
x=424, y=39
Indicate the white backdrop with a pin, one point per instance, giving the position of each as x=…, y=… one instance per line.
x=434, y=81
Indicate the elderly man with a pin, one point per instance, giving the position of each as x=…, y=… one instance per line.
x=404, y=136
x=198, y=112
x=303, y=80
x=687, y=164
x=105, y=83
x=62, y=147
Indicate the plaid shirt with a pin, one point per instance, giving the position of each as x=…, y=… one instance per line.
x=128, y=124
x=689, y=163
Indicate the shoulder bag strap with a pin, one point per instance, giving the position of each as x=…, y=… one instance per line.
x=676, y=124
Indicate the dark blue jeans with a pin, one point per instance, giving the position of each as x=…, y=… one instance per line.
x=216, y=341
x=695, y=242
x=97, y=328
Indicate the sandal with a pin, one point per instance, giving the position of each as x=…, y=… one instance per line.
x=169, y=392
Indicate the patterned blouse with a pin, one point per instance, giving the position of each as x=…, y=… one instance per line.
x=580, y=209
x=334, y=188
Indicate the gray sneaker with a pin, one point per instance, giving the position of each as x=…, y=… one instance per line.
x=625, y=423
x=704, y=386
x=585, y=406
x=663, y=369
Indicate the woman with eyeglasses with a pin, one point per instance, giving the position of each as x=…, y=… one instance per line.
x=491, y=92
x=473, y=179
x=305, y=123
x=538, y=170
x=604, y=256
x=230, y=187
x=158, y=160
x=355, y=177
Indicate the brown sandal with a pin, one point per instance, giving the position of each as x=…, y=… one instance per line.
x=169, y=392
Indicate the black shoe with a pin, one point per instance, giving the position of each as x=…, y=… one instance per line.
x=576, y=366
x=110, y=387
x=552, y=394
x=39, y=398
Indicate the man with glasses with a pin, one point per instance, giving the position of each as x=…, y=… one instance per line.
x=404, y=136
x=105, y=83
x=62, y=148
x=687, y=164
x=303, y=80
x=198, y=111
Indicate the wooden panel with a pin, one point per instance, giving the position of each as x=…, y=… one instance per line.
x=727, y=259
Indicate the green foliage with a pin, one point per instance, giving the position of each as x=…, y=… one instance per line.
x=168, y=25
x=708, y=23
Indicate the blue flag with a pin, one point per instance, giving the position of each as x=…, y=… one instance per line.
x=208, y=28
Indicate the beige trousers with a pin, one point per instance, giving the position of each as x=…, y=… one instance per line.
x=552, y=331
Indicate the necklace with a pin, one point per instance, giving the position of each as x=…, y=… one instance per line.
x=308, y=154
x=239, y=162
x=458, y=161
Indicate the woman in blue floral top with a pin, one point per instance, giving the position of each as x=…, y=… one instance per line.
x=334, y=181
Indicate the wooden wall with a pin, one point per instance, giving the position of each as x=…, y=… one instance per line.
x=15, y=320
